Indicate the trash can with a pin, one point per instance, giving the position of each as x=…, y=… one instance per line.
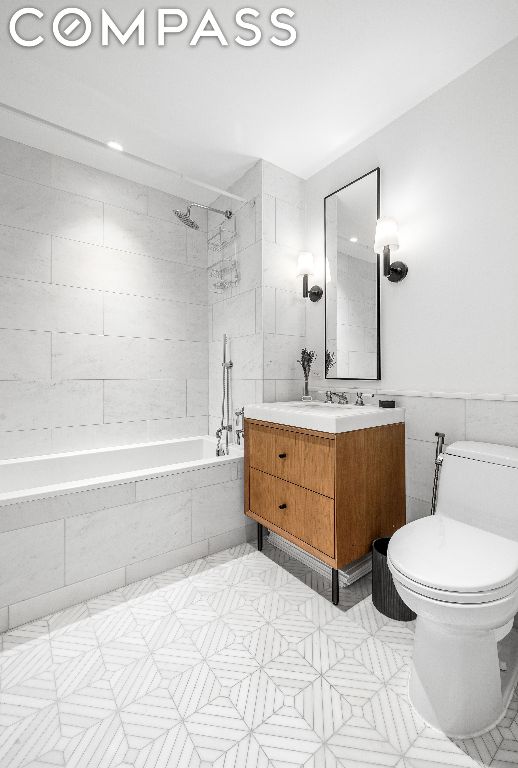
x=384, y=594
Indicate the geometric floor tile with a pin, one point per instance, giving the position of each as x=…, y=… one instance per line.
x=235, y=660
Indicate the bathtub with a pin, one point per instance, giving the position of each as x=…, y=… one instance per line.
x=92, y=521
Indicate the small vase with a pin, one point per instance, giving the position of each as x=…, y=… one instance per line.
x=306, y=395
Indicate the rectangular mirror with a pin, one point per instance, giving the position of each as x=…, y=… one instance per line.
x=352, y=280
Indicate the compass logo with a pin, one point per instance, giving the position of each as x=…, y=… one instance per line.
x=73, y=27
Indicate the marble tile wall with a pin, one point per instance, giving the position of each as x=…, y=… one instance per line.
x=284, y=309
x=237, y=310
x=81, y=544
x=103, y=309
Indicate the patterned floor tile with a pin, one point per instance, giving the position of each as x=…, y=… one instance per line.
x=228, y=661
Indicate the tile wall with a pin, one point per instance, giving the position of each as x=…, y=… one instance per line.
x=103, y=309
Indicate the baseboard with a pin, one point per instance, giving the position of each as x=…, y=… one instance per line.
x=346, y=577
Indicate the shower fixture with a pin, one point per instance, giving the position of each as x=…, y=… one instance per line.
x=226, y=422
x=185, y=217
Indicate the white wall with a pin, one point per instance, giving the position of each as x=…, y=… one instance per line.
x=449, y=175
x=103, y=309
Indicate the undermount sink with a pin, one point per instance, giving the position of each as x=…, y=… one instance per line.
x=325, y=417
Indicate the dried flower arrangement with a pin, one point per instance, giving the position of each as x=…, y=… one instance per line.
x=330, y=361
x=307, y=356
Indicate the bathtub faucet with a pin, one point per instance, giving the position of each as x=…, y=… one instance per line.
x=240, y=426
x=220, y=448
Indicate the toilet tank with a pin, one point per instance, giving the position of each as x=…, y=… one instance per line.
x=479, y=485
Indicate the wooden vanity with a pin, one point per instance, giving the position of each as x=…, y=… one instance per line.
x=330, y=494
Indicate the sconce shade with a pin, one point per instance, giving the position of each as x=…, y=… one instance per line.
x=305, y=264
x=386, y=235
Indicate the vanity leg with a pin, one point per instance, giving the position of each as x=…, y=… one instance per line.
x=334, y=586
x=259, y=537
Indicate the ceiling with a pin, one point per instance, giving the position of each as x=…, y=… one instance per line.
x=210, y=112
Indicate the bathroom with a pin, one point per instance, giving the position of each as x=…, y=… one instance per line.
x=186, y=518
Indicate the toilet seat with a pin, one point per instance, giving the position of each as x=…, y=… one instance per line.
x=443, y=559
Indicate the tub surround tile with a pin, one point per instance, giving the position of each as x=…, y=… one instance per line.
x=101, y=541
x=170, y=429
x=218, y=512
x=25, y=255
x=129, y=231
x=65, y=597
x=97, y=185
x=154, y=318
x=39, y=570
x=181, y=481
x=166, y=359
x=234, y=316
x=50, y=211
x=25, y=442
x=33, y=405
x=197, y=397
x=4, y=620
x=61, y=506
x=35, y=306
x=166, y=561
x=87, y=438
x=25, y=355
x=134, y=400
x=76, y=356
x=232, y=538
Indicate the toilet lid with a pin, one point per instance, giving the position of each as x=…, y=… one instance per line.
x=449, y=557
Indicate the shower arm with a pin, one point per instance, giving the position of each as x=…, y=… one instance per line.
x=227, y=214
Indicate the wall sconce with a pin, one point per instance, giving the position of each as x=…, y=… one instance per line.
x=386, y=240
x=305, y=268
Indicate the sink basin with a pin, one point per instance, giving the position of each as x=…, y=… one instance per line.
x=324, y=417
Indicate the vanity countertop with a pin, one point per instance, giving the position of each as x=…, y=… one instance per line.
x=325, y=417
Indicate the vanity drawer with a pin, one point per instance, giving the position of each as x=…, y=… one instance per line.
x=303, y=459
x=306, y=515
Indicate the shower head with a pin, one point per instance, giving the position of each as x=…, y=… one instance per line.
x=185, y=218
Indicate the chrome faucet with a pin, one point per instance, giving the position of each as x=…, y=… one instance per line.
x=359, y=398
x=240, y=426
x=342, y=397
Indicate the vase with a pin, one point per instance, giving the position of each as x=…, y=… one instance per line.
x=306, y=395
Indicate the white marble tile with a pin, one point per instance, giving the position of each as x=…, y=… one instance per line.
x=424, y=416
x=245, y=225
x=197, y=253
x=153, y=318
x=183, y=481
x=170, y=429
x=76, y=356
x=166, y=358
x=249, y=265
x=50, y=211
x=135, y=232
x=26, y=513
x=217, y=512
x=33, y=405
x=492, y=421
x=140, y=399
x=25, y=162
x=25, y=254
x=247, y=356
x=166, y=561
x=43, y=307
x=197, y=397
x=289, y=225
x=420, y=467
x=234, y=316
x=98, y=185
x=280, y=356
x=101, y=541
x=268, y=218
x=78, y=438
x=287, y=390
x=250, y=183
x=280, y=267
x=59, y=599
x=282, y=184
x=416, y=508
x=4, y=620
x=290, y=313
x=268, y=309
x=232, y=538
x=25, y=355
x=20, y=443
x=31, y=561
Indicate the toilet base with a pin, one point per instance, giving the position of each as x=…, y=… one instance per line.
x=455, y=683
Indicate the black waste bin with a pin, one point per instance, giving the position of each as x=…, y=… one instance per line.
x=384, y=594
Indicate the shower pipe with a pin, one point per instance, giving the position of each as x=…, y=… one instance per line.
x=227, y=365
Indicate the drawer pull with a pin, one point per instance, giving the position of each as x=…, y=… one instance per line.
x=283, y=506
x=282, y=455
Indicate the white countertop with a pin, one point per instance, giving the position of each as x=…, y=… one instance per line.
x=325, y=417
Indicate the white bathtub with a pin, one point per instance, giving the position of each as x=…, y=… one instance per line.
x=76, y=525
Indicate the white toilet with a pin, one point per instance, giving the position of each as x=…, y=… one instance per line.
x=458, y=571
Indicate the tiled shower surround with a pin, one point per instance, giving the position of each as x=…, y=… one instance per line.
x=103, y=309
